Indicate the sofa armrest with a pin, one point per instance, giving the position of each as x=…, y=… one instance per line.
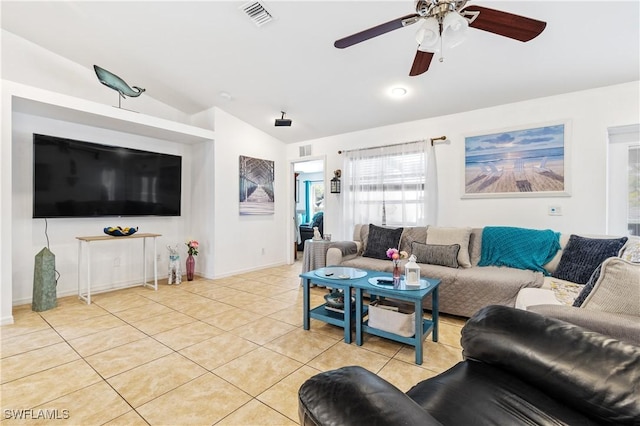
x=619, y=326
x=335, y=256
x=355, y=396
x=587, y=371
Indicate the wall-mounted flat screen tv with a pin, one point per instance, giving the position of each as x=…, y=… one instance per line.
x=82, y=179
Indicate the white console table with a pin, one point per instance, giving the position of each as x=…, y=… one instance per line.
x=88, y=240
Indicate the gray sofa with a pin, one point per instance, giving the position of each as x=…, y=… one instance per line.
x=463, y=290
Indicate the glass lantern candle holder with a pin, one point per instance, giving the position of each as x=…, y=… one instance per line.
x=412, y=272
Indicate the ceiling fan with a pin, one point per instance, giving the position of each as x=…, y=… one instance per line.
x=445, y=24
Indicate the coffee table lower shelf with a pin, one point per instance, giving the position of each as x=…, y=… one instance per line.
x=427, y=326
x=321, y=313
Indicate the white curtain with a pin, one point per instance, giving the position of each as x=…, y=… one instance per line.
x=394, y=185
x=623, y=176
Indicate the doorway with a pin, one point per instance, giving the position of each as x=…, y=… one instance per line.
x=309, y=197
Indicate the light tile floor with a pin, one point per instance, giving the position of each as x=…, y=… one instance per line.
x=230, y=351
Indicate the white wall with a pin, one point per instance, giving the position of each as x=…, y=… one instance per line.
x=239, y=241
x=588, y=113
x=199, y=213
x=28, y=234
x=27, y=63
x=5, y=209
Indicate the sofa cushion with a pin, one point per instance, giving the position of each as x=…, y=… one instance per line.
x=436, y=254
x=475, y=245
x=411, y=234
x=583, y=255
x=447, y=236
x=380, y=240
x=361, y=262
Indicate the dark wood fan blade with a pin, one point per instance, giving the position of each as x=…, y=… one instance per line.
x=372, y=32
x=505, y=24
x=421, y=63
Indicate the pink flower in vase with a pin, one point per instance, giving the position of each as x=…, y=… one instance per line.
x=395, y=255
x=192, y=247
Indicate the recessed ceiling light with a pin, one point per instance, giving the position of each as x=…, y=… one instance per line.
x=398, y=92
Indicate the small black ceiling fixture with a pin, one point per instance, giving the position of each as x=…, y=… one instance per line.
x=283, y=121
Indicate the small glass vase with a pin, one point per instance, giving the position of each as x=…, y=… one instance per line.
x=191, y=267
x=396, y=274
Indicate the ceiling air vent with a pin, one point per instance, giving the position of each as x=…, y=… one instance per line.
x=257, y=12
x=305, y=150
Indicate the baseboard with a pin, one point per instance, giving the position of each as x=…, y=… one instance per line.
x=97, y=289
x=243, y=271
x=163, y=280
x=6, y=320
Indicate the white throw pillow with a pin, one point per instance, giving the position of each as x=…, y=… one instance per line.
x=447, y=236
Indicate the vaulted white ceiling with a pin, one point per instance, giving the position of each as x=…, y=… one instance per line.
x=186, y=53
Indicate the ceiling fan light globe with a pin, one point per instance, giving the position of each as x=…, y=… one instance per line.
x=420, y=35
x=431, y=49
x=454, y=21
x=428, y=35
x=454, y=29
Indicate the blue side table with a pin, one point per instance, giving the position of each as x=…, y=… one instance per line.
x=334, y=277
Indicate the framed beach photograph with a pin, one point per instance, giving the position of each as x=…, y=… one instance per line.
x=256, y=186
x=525, y=162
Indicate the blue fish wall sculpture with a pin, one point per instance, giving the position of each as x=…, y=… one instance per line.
x=116, y=83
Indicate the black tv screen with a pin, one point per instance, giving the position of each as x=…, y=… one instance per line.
x=81, y=179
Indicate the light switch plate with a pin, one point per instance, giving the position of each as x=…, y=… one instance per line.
x=554, y=210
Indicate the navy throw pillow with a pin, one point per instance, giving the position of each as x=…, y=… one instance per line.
x=582, y=256
x=588, y=287
x=380, y=240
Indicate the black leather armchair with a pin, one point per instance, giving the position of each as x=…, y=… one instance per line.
x=519, y=368
x=306, y=229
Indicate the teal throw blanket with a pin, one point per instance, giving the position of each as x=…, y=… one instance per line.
x=519, y=248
